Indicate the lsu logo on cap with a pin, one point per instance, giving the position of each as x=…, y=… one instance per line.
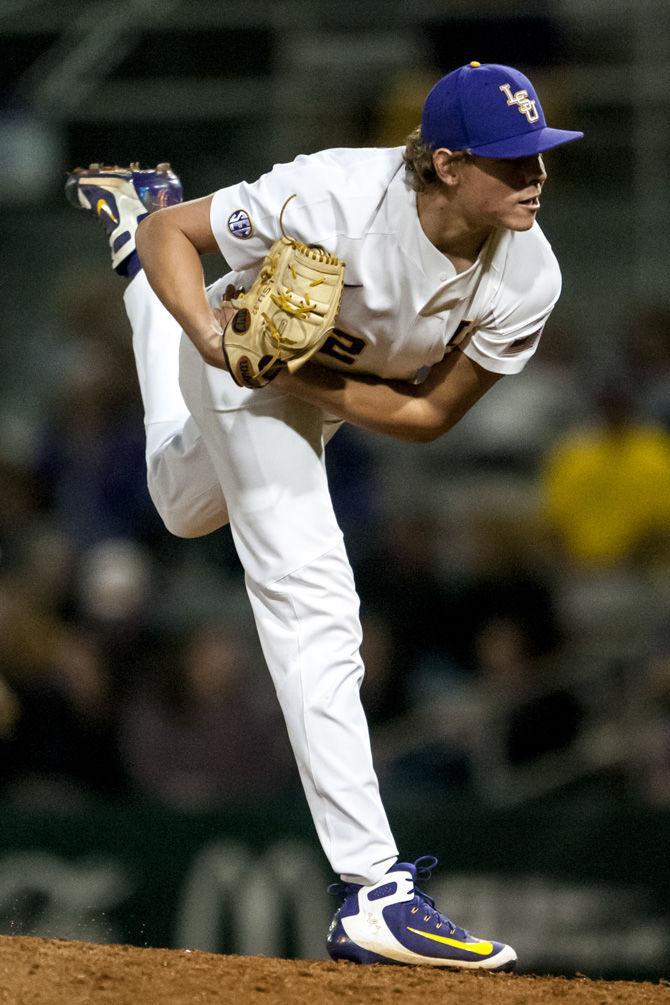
x=239, y=224
x=525, y=104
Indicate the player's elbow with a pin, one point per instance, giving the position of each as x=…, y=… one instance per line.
x=147, y=234
x=429, y=424
x=416, y=434
x=426, y=434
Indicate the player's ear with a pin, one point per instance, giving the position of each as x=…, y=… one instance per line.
x=447, y=164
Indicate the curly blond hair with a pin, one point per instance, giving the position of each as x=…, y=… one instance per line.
x=418, y=157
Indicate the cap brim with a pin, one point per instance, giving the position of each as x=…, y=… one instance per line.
x=525, y=144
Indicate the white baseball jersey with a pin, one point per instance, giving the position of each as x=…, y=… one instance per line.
x=404, y=305
x=217, y=452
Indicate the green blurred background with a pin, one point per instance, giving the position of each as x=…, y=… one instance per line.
x=514, y=577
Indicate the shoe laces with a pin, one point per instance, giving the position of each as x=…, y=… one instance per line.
x=342, y=889
x=423, y=868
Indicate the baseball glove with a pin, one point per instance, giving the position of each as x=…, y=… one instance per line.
x=285, y=317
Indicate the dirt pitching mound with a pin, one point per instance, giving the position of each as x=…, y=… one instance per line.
x=56, y=972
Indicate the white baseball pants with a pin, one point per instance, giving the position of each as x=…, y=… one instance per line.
x=218, y=454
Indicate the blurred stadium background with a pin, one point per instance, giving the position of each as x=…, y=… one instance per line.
x=514, y=577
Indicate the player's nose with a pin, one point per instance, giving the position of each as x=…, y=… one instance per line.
x=532, y=170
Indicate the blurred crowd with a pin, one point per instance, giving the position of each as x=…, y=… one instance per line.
x=514, y=579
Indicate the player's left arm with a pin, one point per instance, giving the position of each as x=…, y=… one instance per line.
x=418, y=412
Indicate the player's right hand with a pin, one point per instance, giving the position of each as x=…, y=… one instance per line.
x=225, y=312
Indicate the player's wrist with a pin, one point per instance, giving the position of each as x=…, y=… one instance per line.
x=284, y=381
x=208, y=340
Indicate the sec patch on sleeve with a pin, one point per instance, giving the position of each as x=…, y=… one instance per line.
x=240, y=225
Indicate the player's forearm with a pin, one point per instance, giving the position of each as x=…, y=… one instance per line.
x=395, y=408
x=172, y=265
x=407, y=411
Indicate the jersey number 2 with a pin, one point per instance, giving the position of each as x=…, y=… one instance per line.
x=342, y=346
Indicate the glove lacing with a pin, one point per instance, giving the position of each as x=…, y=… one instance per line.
x=304, y=308
x=294, y=306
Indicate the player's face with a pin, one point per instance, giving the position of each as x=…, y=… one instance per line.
x=502, y=193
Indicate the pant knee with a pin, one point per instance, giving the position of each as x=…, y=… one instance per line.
x=187, y=516
x=183, y=528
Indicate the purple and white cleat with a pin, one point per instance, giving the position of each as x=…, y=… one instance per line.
x=394, y=922
x=121, y=197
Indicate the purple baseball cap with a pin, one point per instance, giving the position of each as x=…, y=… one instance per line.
x=489, y=110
